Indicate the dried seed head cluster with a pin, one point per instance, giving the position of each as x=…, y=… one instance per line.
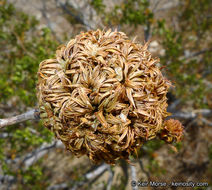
x=172, y=131
x=103, y=95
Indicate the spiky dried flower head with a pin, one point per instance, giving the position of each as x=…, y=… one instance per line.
x=172, y=131
x=102, y=95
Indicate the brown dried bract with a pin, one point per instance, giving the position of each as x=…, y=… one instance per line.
x=102, y=95
x=172, y=131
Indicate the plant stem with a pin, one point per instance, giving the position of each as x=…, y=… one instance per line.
x=29, y=115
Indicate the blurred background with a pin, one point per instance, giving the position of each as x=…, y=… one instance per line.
x=178, y=32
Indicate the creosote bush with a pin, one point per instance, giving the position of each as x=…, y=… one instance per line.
x=104, y=96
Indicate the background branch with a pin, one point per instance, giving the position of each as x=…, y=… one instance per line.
x=110, y=179
x=133, y=176
x=30, y=115
x=6, y=179
x=38, y=153
x=193, y=114
x=34, y=115
x=90, y=176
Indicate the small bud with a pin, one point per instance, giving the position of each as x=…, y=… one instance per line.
x=173, y=131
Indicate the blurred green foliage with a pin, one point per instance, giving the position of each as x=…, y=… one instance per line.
x=98, y=5
x=23, y=138
x=22, y=47
x=188, y=53
x=129, y=12
x=148, y=150
x=133, y=12
x=32, y=178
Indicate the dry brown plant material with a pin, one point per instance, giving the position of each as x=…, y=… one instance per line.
x=103, y=96
x=172, y=131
